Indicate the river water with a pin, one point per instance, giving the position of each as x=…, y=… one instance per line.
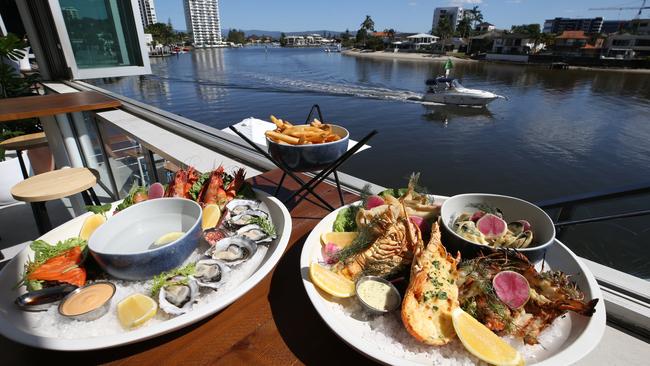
x=561, y=132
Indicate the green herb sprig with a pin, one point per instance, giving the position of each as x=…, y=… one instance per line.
x=165, y=278
x=265, y=224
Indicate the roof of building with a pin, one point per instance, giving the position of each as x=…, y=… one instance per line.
x=495, y=33
x=423, y=35
x=380, y=34
x=485, y=24
x=515, y=36
x=572, y=35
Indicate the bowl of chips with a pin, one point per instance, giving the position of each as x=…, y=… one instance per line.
x=307, y=147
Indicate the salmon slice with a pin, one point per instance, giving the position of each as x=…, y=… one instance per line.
x=62, y=268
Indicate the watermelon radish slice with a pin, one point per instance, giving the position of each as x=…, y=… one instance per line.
x=374, y=201
x=156, y=190
x=492, y=226
x=512, y=288
x=329, y=252
x=418, y=221
x=477, y=215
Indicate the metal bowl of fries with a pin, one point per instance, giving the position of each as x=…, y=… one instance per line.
x=308, y=147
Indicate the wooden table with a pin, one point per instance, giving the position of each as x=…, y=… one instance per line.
x=54, y=185
x=273, y=324
x=24, y=142
x=51, y=104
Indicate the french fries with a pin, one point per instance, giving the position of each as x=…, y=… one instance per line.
x=316, y=132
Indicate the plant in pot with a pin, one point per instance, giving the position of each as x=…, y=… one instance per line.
x=13, y=84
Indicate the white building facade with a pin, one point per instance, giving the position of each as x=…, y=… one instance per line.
x=147, y=12
x=453, y=13
x=203, y=21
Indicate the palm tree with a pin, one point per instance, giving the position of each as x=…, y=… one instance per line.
x=476, y=16
x=368, y=24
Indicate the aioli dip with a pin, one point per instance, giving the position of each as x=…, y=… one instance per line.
x=87, y=299
x=378, y=295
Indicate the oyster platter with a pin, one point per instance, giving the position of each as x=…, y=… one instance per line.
x=161, y=259
x=387, y=275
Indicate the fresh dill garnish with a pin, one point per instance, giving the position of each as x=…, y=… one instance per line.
x=165, y=278
x=265, y=224
x=364, y=194
x=360, y=243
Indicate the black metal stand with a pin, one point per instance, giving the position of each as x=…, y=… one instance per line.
x=318, y=178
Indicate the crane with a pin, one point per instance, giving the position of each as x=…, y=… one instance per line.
x=638, y=14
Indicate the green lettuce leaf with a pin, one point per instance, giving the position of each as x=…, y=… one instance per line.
x=346, y=219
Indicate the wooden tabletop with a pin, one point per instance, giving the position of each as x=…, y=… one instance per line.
x=54, y=185
x=25, y=142
x=46, y=105
x=273, y=324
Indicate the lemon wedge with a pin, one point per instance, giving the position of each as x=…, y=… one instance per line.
x=330, y=282
x=135, y=310
x=482, y=342
x=211, y=216
x=168, y=238
x=340, y=239
x=90, y=225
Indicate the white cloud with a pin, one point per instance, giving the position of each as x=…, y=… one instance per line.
x=413, y=3
x=464, y=2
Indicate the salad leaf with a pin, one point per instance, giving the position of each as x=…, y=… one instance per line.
x=99, y=209
x=42, y=252
x=346, y=219
x=165, y=278
x=246, y=192
x=196, y=187
x=395, y=192
x=128, y=200
x=265, y=224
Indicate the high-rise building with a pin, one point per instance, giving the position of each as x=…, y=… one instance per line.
x=203, y=21
x=453, y=13
x=147, y=12
x=559, y=25
x=70, y=13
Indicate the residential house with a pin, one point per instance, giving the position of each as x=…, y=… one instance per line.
x=483, y=42
x=628, y=45
x=422, y=40
x=295, y=41
x=484, y=27
x=513, y=44
x=570, y=43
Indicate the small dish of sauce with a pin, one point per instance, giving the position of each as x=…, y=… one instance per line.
x=89, y=302
x=378, y=295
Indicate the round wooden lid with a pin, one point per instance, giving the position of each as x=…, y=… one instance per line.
x=54, y=185
x=25, y=142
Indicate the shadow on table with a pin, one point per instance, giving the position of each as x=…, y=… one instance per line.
x=300, y=326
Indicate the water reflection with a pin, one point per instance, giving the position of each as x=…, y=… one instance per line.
x=450, y=113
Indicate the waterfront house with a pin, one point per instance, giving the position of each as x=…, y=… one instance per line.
x=513, y=44
x=295, y=41
x=483, y=42
x=422, y=40
x=570, y=43
x=628, y=45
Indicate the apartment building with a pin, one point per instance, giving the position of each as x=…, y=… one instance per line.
x=203, y=21
x=559, y=25
x=453, y=13
x=147, y=12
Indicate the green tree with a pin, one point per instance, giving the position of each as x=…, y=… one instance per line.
x=236, y=36
x=162, y=33
x=283, y=39
x=464, y=27
x=475, y=16
x=368, y=24
x=362, y=37
x=534, y=31
x=444, y=29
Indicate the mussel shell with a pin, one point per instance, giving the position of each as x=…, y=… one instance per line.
x=239, y=206
x=244, y=218
x=255, y=232
x=206, y=276
x=186, y=304
x=40, y=300
x=247, y=246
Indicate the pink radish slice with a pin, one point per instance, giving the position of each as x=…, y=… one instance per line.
x=491, y=226
x=374, y=201
x=421, y=224
x=329, y=253
x=477, y=215
x=512, y=288
x=156, y=191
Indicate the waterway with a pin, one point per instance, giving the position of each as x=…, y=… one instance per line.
x=561, y=132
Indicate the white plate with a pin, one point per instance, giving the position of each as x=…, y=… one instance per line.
x=579, y=334
x=15, y=324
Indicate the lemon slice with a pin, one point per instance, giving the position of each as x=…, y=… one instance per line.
x=90, y=225
x=482, y=342
x=168, y=238
x=330, y=282
x=135, y=310
x=340, y=239
x=211, y=216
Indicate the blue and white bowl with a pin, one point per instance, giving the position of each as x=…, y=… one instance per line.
x=123, y=245
x=304, y=158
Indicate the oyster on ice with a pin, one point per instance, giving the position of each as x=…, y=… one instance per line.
x=178, y=295
x=211, y=273
x=233, y=250
x=256, y=233
x=239, y=206
x=245, y=217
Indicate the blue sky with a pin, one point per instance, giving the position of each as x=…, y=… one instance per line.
x=402, y=15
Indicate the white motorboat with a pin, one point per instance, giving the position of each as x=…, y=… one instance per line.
x=449, y=91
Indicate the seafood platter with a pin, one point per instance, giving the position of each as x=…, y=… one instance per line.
x=161, y=259
x=380, y=274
